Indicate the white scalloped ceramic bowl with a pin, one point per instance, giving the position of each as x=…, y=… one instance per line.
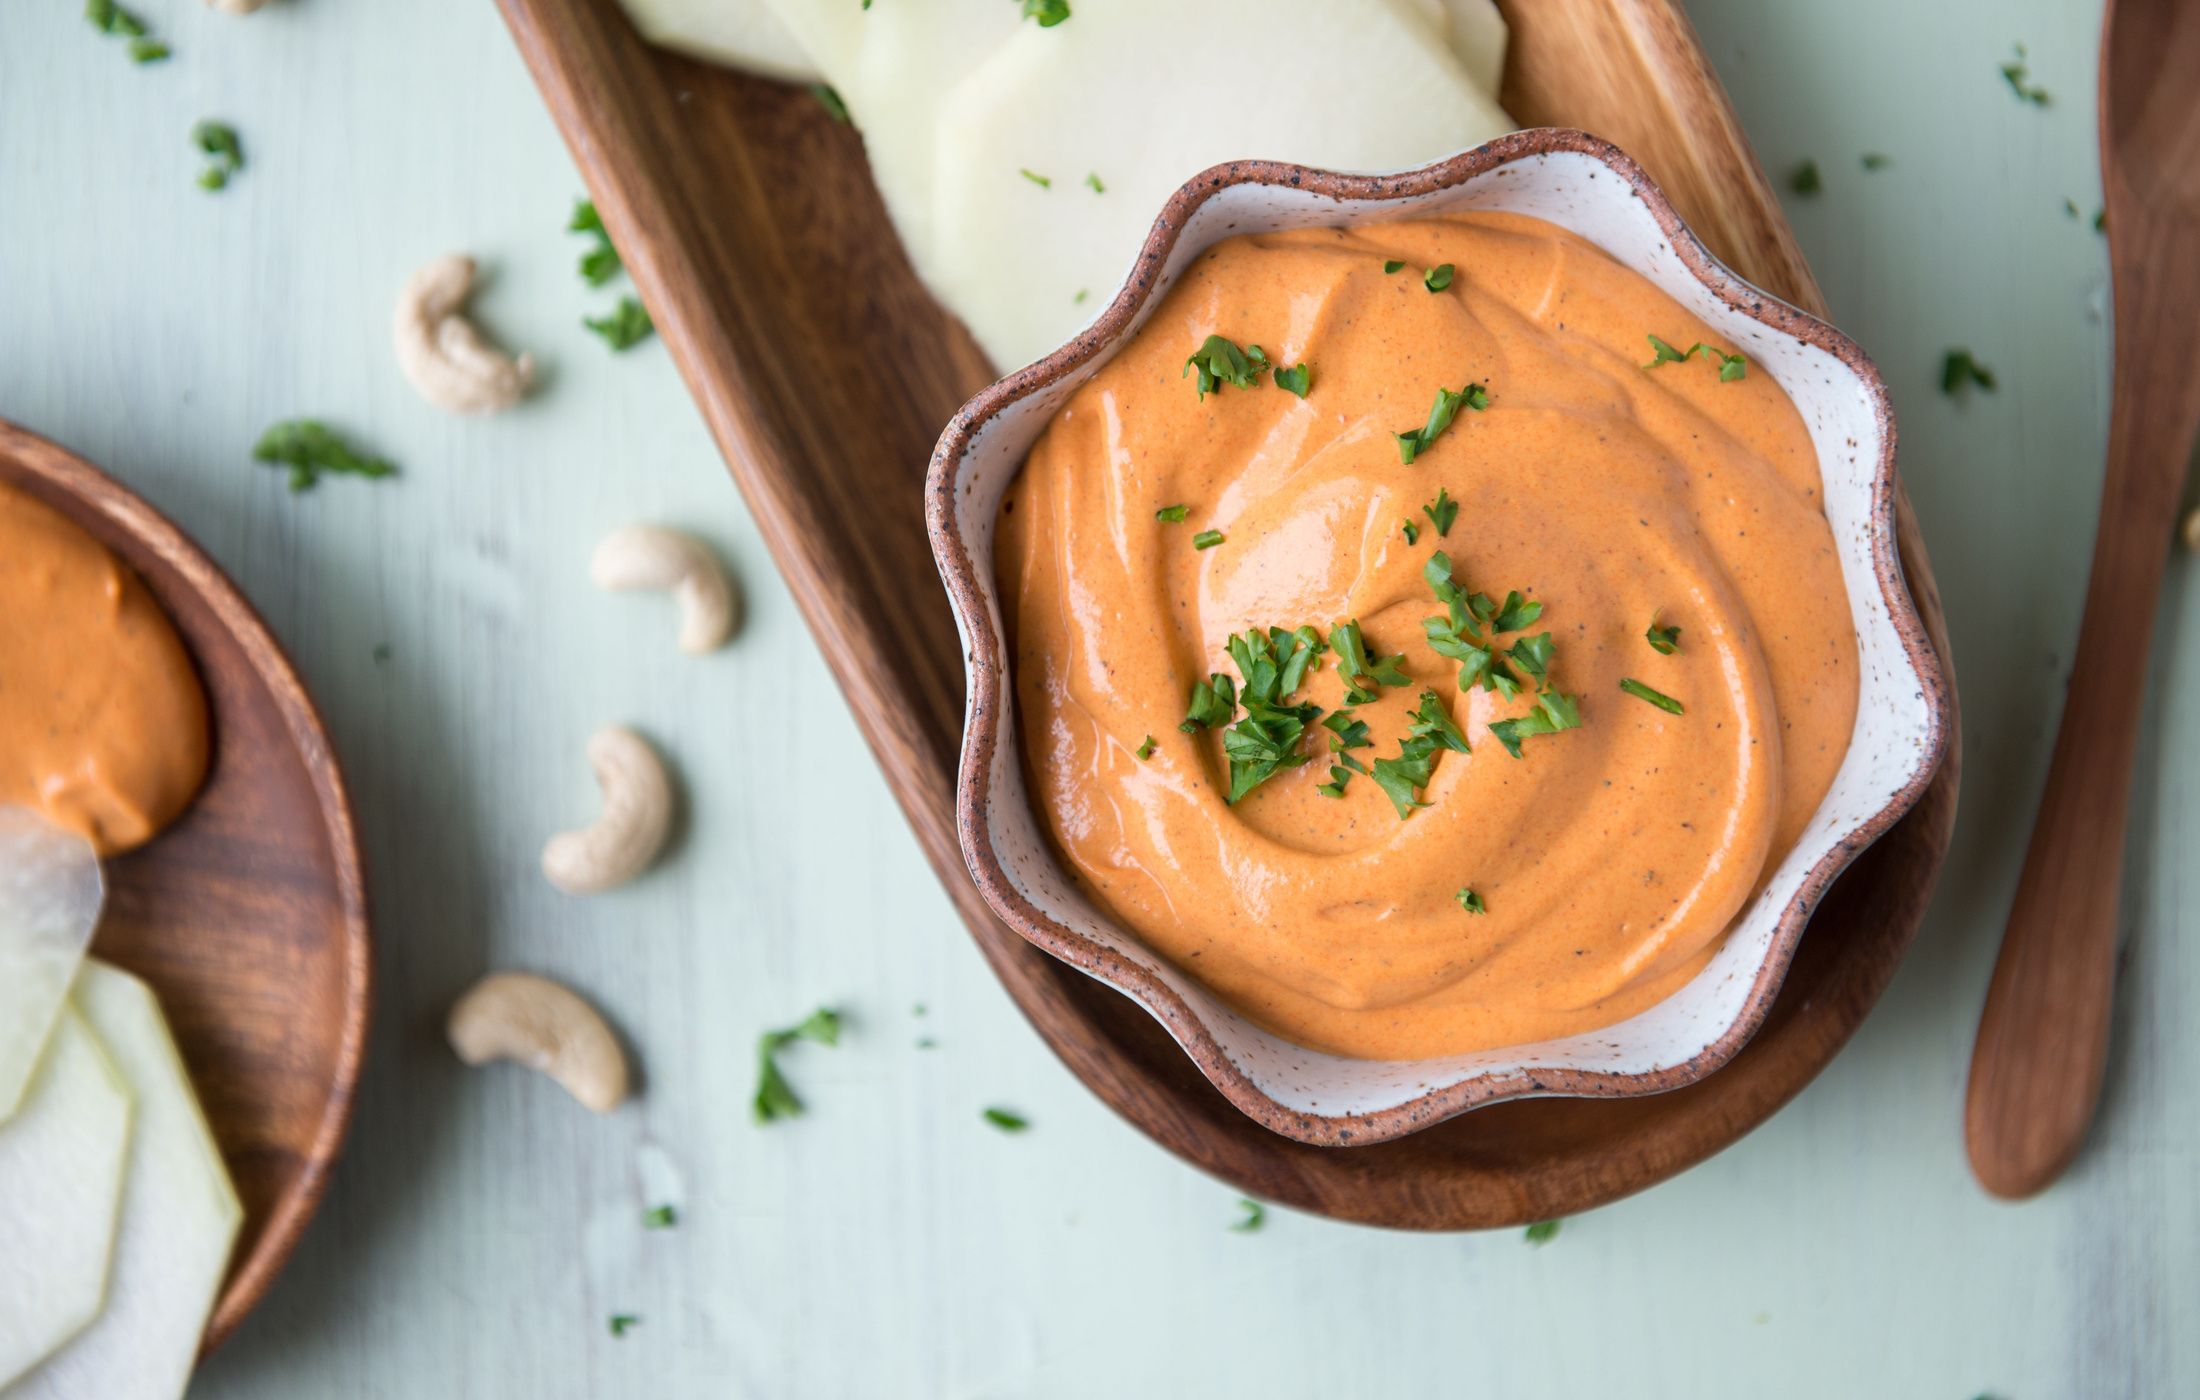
x=1589, y=186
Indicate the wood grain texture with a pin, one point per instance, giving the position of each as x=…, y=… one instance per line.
x=248, y=916
x=752, y=229
x=2043, y=1037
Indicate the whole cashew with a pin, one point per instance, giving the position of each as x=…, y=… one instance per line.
x=535, y=1022
x=236, y=7
x=441, y=352
x=654, y=556
x=637, y=813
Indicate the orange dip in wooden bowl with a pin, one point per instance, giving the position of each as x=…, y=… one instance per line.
x=102, y=719
x=1414, y=889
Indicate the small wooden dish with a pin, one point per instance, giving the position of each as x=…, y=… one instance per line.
x=249, y=915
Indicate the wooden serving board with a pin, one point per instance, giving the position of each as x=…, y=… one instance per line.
x=826, y=372
x=248, y=917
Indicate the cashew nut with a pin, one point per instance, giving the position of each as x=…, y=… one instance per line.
x=637, y=813
x=441, y=352
x=655, y=556
x=236, y=7
x=535, y=1022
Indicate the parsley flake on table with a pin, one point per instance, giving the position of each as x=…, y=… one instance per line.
x=1036, y=178
x=1006, y=1121
x=829, y=98
x=1542, y=1232
x=311, y=449
x=1960, y=370
x=1362, y=674
x=627, y=326
x=1172, y=515
x=1875, y=160
x=1804, y=179
x=601, y=262
x=1663, y=640
x=622, y=1323
x=1442, y=511
x=1297, y=378
x=1414, y=441
x=1658, y=698
x=660, y=1218
x=1471, y=902
x=775, y=1097
x=2018, y=73
x=1255, y=1216
x=1047, y=13
x=1207, y=539
x=1092, y=182
x=224, y=153
x=1220, y=361
x=148, y=51
x=109, y=18
x=1553, y=713
x=1438, y=277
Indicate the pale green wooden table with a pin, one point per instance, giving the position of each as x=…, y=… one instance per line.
x=482, y=1229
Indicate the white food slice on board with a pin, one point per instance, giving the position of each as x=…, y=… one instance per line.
x=1146, y=114
x=62, y=1159
x=1477, y=34
x=179, y=1216
x=739, y=33
x=892, y=65
x=50, y=893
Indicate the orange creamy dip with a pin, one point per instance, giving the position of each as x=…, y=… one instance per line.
x=1610, y=858
x=102, y=721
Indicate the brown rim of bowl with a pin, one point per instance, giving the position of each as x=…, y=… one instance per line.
x=251, y=1276
x=986, y=703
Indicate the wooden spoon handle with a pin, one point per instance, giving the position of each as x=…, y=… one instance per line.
x=2043, y=1038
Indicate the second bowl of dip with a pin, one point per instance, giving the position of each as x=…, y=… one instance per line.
x=1344, y=991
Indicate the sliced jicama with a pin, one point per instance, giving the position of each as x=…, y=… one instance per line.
x=1144, y=95
x=50, y=893
x=179, y=1216
x=62, y=1159
x=739, y=33
x=892, y=64
x=1477, y=34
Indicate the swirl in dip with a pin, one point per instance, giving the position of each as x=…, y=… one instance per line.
x=1412, y=888
x=102, y=721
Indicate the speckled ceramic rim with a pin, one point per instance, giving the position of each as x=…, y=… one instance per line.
x=989, y=691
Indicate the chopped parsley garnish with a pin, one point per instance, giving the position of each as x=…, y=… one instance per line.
x=1471, y=902
x=1266, y=741
x=1391, y=265
x=1360, y=673
x=1036, y=178
x=1340, y=773
x=621, y=1323
x=1959, y=370
x=1298, y=378
x=1531, y=656
x=1663, y=640
x=1092, y=182
x=1145, y=750
x=1006, y=1121
x=1207, y=539
x=1172, y=515
x=1542, y=1232
x=660, y=1218
x=829, y=98
x=1876, y=160
x=601, y=262
x=1517, y=612
x=775, y=1097
x=1442, y=511
x=1438, y=277
x=1432, y=732
x=1414, y=441
x=1432, y=721
x=1457, y=635
x=1345, y=731
x=224, y=153
x=2017, y=73
x=1731, y=367
x=1658, y=698
x=1255, y=1215
x=312, y=449
x=1047, y=12
x=1220, y=361
x=1213, y=701
x=1804, y=179
x=627, y=326
x=1412, y=531
x=1553, y=712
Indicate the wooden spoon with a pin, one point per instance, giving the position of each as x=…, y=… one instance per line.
x=2043, y=1039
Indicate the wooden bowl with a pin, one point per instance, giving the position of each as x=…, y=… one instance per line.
x=758, y=242
x=249, y=915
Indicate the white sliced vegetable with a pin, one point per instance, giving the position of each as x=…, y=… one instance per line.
x=179, y=1216
x=1144, y=94
x=62, y=1159
x=50, y=893
x=1477, y=34
x=892, y=65
x=738, y=33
